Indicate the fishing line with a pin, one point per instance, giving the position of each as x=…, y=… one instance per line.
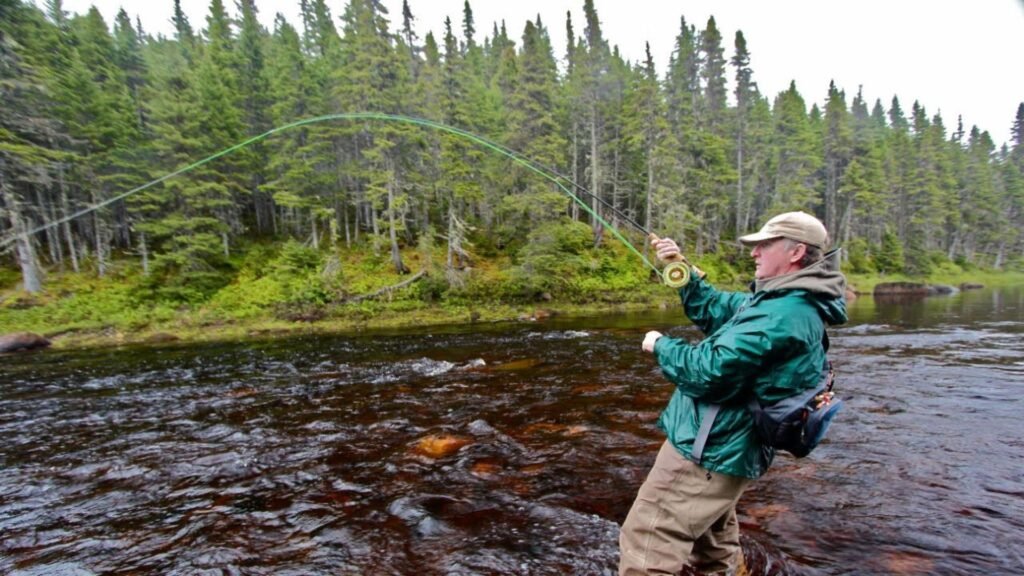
x=520, y=159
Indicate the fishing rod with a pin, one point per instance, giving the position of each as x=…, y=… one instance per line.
x=676, y=274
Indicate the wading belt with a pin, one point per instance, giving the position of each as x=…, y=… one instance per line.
x=705, y=430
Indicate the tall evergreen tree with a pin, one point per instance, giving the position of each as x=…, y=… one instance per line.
x=592, y=68
x=98, y=110
x=534, y=130
x=861, y=208
x=838, y=153
x=183, y=31
x=128, y=57
x=253, y=89
x=712, y=75
x=653, y=147
x=746, y=96
x=898, y=167
x=377, y=79
x=29, y=138
x=796, y=159
x=457, y=158
x=297, y=175
x=223, y=188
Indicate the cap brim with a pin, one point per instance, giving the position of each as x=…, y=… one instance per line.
x=752, y=239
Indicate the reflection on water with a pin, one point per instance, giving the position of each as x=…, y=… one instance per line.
x=497, y=450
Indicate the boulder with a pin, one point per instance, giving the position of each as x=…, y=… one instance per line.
x=161, y=338
x=473, y=364
x=937, y=289
x=541, y=314
x=20, y=341
x=901, y=289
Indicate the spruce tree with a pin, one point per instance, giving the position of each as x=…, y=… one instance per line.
x=796, y=158
x=534, y=129
x=862, y=211
x=29, y=138
x=128, y=57
x=296, y=175
x=253, y=90
x=653, y=148
x=746, y=95
x=457, y=158
x=838, y=153
x=712, y=74
x=898, y=170
x=183, y=31
x=221, y=188
x=98, y=110
x=376, y=79
x=592, y=71
x=889, y=259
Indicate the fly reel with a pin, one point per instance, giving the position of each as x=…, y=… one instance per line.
x=676, y=273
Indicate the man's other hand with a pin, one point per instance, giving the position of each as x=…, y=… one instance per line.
x=650, y=339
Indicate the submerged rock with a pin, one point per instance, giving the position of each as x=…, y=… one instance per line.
x=473, y=364
x=480, y=428
x=939, y=289
x=517, y=364
x=436, y=447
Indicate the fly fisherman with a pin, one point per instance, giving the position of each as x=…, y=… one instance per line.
x=766, y=345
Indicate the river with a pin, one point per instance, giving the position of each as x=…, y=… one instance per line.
x=498, y=449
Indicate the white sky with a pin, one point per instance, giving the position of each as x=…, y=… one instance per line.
x=957, y=57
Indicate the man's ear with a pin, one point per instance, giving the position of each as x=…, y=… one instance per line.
x=798, y=253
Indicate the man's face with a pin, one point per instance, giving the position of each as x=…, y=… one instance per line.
x=775, y=257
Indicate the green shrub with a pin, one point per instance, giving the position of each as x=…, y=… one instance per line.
x=9, y=278
x=889, y=257
x=858, y=257
x=554, y=256
x=295, y=260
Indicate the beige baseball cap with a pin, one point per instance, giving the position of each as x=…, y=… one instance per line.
x=799, y=226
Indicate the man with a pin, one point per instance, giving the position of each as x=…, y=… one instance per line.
x=766, y=345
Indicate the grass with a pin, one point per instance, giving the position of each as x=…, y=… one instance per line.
x=287, y=289
x=865, y=283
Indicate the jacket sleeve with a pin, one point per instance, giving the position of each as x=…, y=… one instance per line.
x=722, y=367
x=707, y=307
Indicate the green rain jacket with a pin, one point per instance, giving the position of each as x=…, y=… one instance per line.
x=767, y=344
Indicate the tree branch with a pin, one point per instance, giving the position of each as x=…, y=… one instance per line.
x=388, y=289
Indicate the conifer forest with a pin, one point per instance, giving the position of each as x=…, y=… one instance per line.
x=94, y=109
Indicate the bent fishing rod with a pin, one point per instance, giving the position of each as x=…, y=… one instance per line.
x=676, y=274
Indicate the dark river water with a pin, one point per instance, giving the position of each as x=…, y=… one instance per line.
x=512, y=449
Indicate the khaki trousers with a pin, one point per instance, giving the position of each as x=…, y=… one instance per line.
x=683, y=515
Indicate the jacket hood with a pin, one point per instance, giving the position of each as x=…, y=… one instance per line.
x=822, y=280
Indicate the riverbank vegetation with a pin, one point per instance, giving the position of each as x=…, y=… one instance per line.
x=291, y=288
x=311, y=225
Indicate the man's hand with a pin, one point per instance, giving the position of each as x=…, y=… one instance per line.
x=651, y=337
x=666, y=248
